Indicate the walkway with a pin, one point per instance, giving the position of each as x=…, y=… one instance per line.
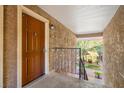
x=56, y=80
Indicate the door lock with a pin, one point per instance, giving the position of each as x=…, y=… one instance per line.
x=35, y=33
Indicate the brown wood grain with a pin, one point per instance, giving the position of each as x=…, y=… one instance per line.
x=33, y=38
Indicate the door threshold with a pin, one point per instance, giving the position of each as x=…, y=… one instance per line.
x=35, y=81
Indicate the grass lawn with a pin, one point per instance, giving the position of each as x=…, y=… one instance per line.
x=92, y=66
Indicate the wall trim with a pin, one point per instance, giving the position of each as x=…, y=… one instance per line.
x=1, y=46
x=89, y=35
x=22, y=9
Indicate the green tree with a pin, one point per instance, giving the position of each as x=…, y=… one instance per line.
x=91, y=45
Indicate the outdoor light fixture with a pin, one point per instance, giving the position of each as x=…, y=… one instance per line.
x=52, y=27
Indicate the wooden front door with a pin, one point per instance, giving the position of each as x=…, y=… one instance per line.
x=33, y=43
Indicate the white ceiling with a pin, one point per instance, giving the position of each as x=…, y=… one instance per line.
x=82, y=19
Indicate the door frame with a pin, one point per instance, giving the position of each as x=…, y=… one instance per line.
x=22, y=9
x=1, y=45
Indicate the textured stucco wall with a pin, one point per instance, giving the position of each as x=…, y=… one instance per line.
x=10, y=46
x=114, y=50
x=61, y=37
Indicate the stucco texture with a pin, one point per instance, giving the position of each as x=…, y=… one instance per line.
x=113, y=37
x=10, y=46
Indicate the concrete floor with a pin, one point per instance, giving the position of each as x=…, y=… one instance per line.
x=91, y=76
x=56, y=80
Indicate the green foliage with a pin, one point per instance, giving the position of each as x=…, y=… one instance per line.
x=89, y=49
x=98, y=73
x=90, y=45
x=92, y=66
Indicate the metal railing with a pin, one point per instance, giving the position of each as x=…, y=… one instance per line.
x=68, y=60
x=83, y=73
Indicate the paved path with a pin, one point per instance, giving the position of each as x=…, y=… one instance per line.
x=56, y=80
x=91, y=76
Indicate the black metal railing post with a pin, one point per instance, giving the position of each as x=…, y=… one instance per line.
x=85, y=77
x=80, y=64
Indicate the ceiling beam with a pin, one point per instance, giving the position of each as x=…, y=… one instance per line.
x=89, y=35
